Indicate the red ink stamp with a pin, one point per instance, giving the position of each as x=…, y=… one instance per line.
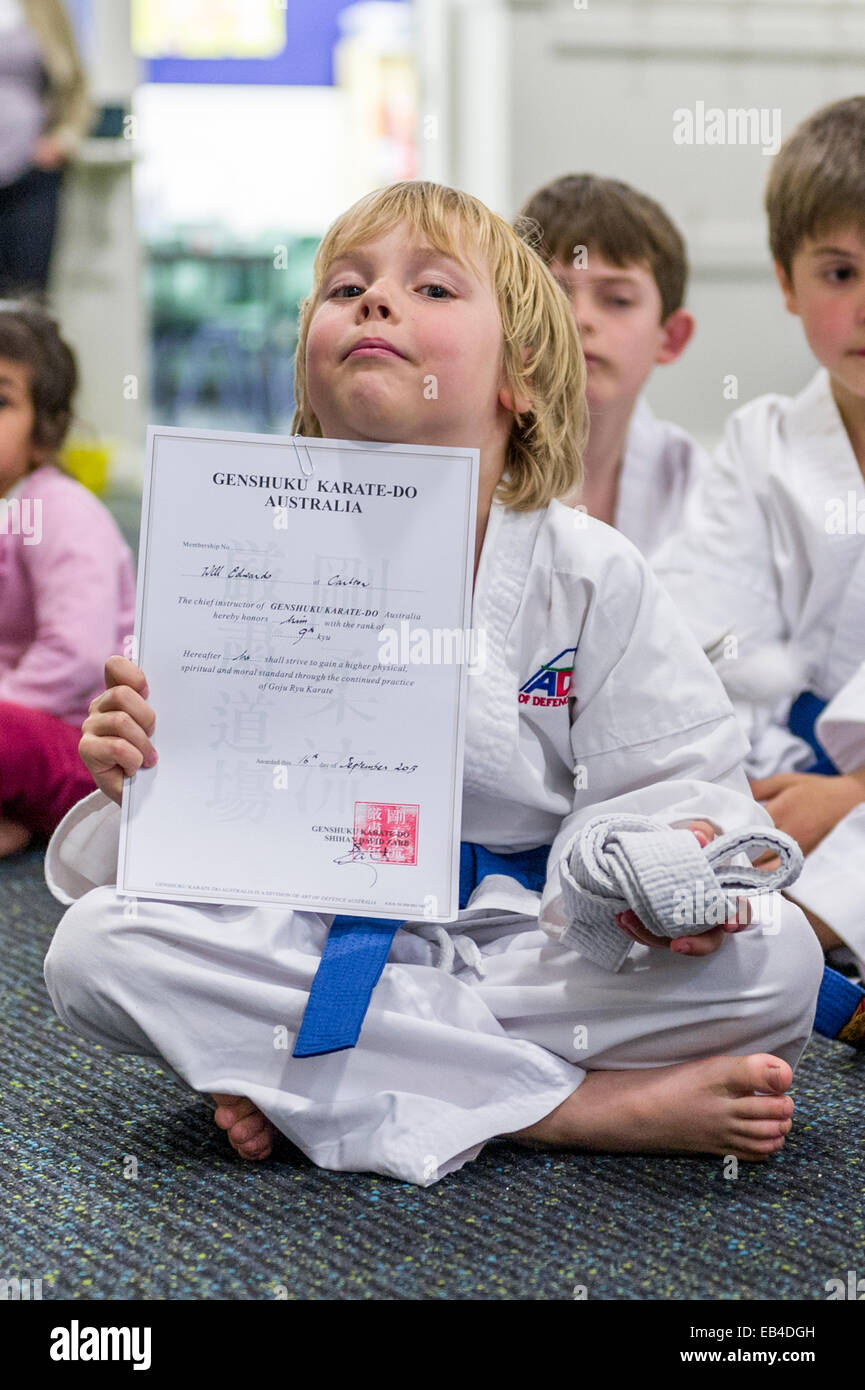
x=386, y=831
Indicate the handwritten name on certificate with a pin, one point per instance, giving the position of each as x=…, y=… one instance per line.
x=303, y=620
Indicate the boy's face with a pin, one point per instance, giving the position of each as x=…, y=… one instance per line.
x=16, y=423
x=617, y=310
x=826, y=288
x=435, y=375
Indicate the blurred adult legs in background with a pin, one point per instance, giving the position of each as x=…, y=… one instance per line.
x=28, y=218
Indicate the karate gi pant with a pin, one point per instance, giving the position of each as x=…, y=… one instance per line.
x=445, y=1061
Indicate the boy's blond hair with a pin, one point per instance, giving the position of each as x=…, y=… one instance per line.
x=627, y=227
x=817, y=179
x=541, y=356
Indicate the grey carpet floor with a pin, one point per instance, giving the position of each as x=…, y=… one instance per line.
x=116, y=1184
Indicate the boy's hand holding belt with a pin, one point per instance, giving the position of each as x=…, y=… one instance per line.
x=637, y=868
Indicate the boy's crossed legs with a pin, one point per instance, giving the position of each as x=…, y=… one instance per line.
x=703, y=1107
x=543, y=1047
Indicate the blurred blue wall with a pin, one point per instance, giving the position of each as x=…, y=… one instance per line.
x=307, y=60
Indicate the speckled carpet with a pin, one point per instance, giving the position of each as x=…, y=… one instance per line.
x=116, y=1184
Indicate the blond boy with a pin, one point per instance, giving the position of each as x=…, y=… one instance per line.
x=518, y=1035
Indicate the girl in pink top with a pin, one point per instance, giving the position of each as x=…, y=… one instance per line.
x=67, y=585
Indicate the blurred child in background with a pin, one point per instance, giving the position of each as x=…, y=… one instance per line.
x=623, y=265
x=67, y=586
x=769, y=567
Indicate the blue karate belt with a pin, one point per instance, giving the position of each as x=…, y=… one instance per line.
x=840, y=1003
x=804, y=714
x=357, y=949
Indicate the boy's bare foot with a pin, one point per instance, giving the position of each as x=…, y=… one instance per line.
x=13, y=837
x=710, y=1106
x=249, y=1132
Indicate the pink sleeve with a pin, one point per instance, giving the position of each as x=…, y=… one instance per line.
x=75, y=576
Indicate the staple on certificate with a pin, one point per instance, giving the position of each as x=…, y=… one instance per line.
x=295, y=438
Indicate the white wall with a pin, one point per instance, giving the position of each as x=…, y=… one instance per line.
x=531, y=89
x=248, y=159
x=96, y=272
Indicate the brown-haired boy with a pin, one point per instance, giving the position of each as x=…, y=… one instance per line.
x=623, y=265
x=769, y=567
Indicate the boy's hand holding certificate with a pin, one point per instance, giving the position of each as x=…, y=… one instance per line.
x=303, y=620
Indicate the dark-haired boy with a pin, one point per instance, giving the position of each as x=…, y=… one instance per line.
x=623, y=265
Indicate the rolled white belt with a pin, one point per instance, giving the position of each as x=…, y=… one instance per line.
x=675, y=886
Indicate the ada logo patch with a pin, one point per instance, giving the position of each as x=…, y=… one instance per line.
x=552, y=683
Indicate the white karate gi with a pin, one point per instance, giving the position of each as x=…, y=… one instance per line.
x=759, y=558
x=660, y=466
x=841, y=726
x=834, y=872
x=447, y=1061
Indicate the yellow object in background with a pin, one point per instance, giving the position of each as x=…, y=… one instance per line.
x=375, y=67
x=208, y=28
x=90, y=463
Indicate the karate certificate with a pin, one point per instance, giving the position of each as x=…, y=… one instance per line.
x=303, y=620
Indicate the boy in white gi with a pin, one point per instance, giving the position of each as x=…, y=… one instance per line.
x=840, y=728
x=769, y=566
x=623, y=265
x=512, y=1034
x=820, y=823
